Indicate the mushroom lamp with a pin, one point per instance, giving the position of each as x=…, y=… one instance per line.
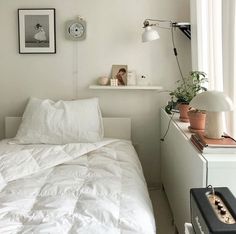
x=215, y=103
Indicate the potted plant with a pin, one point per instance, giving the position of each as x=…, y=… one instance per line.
x=197, y=120
x=186, y=90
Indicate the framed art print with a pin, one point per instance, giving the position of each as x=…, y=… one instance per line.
x=119, y=72
x=37, y=31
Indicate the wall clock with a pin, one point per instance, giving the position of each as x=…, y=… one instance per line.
x=76, y=29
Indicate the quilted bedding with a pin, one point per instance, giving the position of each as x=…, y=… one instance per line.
x=74, y=188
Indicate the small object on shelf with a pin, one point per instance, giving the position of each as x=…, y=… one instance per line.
x=131, y=78
x=211, y=146
x=119, y=72
x=103, y=80
x=143, y=80
x=113, y=82
x=225, y=141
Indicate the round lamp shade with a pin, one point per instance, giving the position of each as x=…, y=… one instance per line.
x=150, y=34
x=213, y=101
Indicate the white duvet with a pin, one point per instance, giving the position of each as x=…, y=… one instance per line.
x=74, y=188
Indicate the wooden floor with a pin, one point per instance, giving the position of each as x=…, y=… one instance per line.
x=162, y=212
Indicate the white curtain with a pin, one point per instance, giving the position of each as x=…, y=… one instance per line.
x=216, y=45
x=229, y=56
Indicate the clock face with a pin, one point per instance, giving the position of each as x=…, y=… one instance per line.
x=76, y=30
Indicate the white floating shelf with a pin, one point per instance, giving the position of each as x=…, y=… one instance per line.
x=108, y=87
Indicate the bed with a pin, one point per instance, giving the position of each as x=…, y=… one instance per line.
x=95, y=187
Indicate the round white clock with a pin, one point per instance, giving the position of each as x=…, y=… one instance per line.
x=76, y=30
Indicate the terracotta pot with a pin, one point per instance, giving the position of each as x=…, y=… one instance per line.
x=197, y=120
x=183, y=112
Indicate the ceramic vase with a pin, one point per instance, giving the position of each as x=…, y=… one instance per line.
x=103, y=80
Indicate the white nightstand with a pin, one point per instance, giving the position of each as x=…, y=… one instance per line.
x=183, y=167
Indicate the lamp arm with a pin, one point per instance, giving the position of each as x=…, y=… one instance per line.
x=147, y=23
x=158, y=20
x=172, y=24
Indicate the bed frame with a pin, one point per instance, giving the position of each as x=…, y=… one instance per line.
x=119, y=128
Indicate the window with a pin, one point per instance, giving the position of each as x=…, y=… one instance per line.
x=214, y=46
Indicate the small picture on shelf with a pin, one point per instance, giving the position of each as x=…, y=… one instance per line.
x=119, y=72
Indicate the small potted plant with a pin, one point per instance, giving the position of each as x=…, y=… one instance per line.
x=186, y=90
x=197, y=120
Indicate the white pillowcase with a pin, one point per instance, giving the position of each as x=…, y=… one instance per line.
x=62, y=122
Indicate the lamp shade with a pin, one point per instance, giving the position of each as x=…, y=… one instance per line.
x=150, y=34
x=213, y=101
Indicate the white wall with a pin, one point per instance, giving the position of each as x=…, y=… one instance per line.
x=113, y=37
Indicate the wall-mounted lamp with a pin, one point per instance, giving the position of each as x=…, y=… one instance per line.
x=150, y=28
x=214, y=103
x=150, y=33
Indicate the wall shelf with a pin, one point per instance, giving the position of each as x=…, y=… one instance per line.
x=108, y=87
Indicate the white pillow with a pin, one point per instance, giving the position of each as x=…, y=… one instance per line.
x=62, y=122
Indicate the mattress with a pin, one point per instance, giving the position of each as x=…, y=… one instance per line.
x=82, y=188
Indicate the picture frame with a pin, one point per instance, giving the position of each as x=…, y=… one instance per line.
x=119, y=72
x=37, y=30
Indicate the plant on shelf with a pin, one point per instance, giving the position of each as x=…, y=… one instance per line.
x=197, y=119
x=187, y=89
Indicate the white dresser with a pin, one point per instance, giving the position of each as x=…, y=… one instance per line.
x=184, y=167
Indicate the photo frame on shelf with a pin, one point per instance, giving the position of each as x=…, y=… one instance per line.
x=119, y=72
x=37, y=31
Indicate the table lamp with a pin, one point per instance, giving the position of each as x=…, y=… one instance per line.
x=215, y=103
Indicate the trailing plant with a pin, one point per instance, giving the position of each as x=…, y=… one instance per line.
x=187, y=89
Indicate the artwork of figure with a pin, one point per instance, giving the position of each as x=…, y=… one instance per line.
x=40, y=35
x=120, y=76
x=37, y=34
x=119, y=72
